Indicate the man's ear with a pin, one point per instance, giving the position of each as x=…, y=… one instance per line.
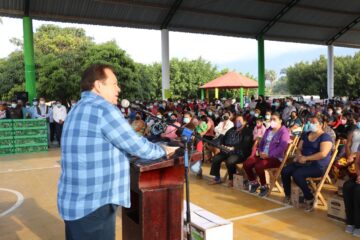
x=97, y=85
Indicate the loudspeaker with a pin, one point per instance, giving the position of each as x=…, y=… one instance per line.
x=23, y=96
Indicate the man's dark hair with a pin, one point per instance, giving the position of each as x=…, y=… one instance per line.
x=93, y=73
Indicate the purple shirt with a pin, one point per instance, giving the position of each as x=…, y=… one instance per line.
x=278, y=143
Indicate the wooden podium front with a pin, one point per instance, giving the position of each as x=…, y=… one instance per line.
x=156, y=200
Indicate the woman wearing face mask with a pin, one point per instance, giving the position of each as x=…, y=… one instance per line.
x=294, y=124
x=345, y=127
x=271, y=152
x=224, y=125
x=138, y=124
x=276, y=106
x=238, y=141
x=312, y=158
x=346, y=164
x=337, y=118
x=15, y=111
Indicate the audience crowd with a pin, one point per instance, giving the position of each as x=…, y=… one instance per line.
x=257, y=136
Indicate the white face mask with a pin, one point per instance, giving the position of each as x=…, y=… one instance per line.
x=58, y=105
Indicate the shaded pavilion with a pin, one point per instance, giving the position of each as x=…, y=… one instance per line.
x=230, y=80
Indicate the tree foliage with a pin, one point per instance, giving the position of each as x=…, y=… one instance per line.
x=62, y=54
x=311, y=78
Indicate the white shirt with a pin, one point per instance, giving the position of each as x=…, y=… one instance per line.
x=59, y=113
x=223, y=127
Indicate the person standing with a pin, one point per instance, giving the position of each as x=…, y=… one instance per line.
x=59, y=116
x=15, y=111
x=95, y=147
x=43, y=111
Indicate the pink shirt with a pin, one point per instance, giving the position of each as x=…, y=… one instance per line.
x=170, y=131
x=259, y=132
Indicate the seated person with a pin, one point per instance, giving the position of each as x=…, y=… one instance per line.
x=271, y=148
x=328, y=129
x=294, y=124
x=345, y=164
x=351, y=192
x=170, y=132
x=267, y=119
x=238, y=140
x=224, y=125
x=259, y=129
x=312, y=158
x=138, y=124
x=201, y=128
x=344, y=128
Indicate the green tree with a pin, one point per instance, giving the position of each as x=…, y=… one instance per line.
x=12, y=74
x=186, y=76
x=280, y=86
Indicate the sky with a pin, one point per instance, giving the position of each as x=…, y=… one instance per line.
x=144, y=46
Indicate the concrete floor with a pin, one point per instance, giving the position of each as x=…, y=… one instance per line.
x=32, y=178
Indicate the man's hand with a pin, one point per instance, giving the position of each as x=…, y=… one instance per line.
x=169, y=150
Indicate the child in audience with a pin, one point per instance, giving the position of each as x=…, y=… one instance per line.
x=259, y=129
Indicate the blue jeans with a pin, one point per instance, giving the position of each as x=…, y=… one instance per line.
x=99, y=224
x=299, y=173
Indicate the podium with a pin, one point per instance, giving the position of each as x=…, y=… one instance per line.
x=156, y=200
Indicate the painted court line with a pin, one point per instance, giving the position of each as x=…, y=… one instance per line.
x=28, y=169
x=19, y=201
x=259, y=213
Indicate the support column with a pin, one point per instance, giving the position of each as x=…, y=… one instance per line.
x=165, y=62
x=216, y=93
x=330, y=72
x=202, y=94
x=207, y=94
x=241, y=93
x=30, y=82
x=261, y=66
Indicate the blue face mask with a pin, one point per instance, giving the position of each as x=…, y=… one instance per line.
x=313, y=127
x=358, y=125
x=252, y=113
x=238, y=124
x=276, y=104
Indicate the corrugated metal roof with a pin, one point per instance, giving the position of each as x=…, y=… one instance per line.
x=308, y=21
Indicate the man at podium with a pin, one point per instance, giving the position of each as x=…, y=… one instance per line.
x=95, y=147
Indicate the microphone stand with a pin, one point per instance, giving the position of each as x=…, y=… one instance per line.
x=186, y=137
